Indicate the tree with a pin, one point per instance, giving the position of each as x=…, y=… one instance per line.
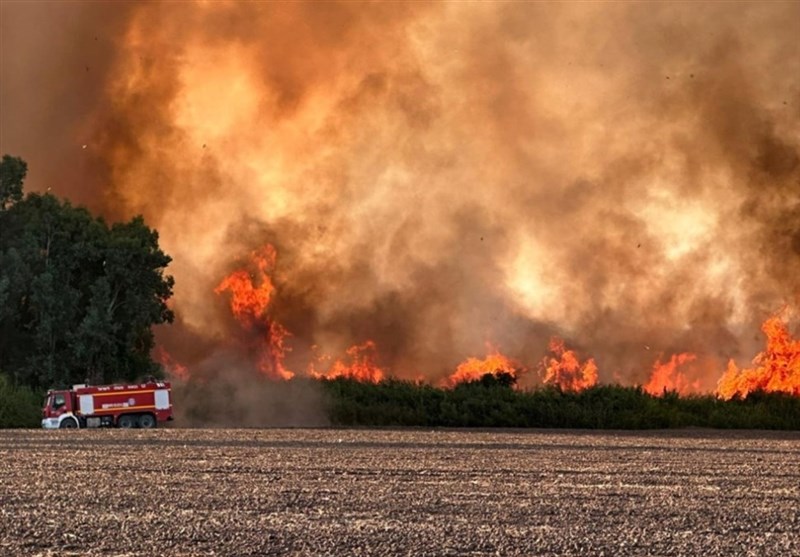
x=12, y=175
x=80, y=297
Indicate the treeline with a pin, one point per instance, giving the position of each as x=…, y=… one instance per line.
x=490, y=402
x=493, y=402
x=78, y=297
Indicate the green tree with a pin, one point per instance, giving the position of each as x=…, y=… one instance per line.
x=80, y=297
x=12, y=175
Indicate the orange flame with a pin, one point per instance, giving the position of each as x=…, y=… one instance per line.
x=775, y=370
x=171, y=366
x=361, y=366
x=249, y=304
x=273, y=354
x=473, y=369
x=667, y=378
x=565, y=370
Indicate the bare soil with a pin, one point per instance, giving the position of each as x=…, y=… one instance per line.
x=375, y=492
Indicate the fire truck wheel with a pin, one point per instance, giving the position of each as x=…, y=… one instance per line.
x=68, y=423
x=147, y=421
x=127, y=421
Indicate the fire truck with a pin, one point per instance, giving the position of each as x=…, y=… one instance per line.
x=143, y=405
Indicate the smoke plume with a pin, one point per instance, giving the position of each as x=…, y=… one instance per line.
x=440, y=178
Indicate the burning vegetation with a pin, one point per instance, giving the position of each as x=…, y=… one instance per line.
x=604, y=194
x=250, y=296
x=359, y=364
x=775, y=370
x=473, y=369
x=251, y=291
x=667, y=377
x=565, y=371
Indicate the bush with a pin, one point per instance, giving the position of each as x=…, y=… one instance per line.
x=493, y=402
x=19, y=406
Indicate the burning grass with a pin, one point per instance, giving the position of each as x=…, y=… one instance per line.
x=192, y=493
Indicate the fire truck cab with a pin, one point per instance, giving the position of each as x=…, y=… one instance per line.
x=143, y=405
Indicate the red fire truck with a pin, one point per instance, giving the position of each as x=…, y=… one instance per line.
x=142, y=405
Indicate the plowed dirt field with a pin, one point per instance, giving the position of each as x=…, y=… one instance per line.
x=366, y=492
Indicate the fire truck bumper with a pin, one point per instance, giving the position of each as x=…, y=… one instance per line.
x=50, y=423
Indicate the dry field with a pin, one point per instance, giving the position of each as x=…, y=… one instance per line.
x=367, y=492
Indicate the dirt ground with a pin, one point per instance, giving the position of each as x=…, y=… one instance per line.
x=376, y=492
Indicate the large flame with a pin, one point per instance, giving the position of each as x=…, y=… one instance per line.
x=250, y=296
x=274, y=353
x=777, y=369
x=249, y=300
x=473, y=369
x=667, y=377
x=360, y=364
x=564, y=370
